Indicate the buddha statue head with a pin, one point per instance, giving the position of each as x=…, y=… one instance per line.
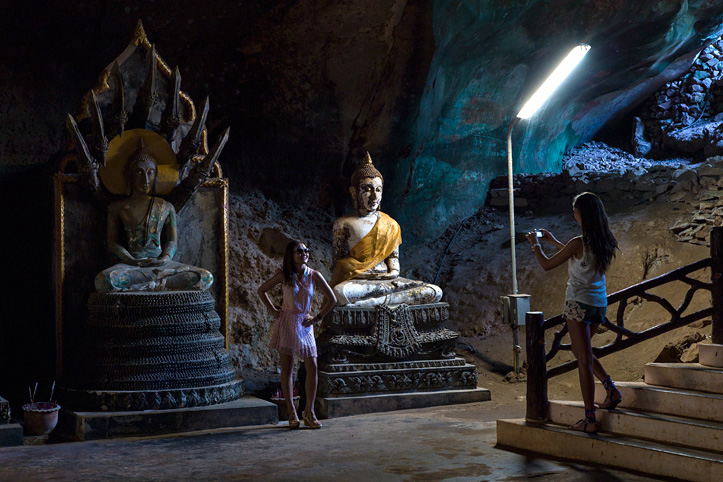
x=366, y=188
x=141, y=171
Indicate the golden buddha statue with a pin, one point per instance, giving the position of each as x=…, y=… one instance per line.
x=366, y=251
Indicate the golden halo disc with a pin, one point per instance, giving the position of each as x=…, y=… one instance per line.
x=120, y=149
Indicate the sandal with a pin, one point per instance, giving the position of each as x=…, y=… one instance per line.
x=611, y=401
x=586, y=425
x=310, y=422
x=294, y=424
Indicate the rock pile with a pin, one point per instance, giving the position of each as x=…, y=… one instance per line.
x=685, y=115
x=611, y=173
x=684, y=350
x=698, y=186
x=703, y=190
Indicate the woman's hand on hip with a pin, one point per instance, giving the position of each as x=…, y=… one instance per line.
x=308, y=320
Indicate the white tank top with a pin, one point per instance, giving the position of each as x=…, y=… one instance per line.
x=585, y=285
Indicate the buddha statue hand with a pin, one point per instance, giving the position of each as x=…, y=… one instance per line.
x=389, y=275
x=151, y=262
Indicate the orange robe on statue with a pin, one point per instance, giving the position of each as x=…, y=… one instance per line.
x=375, y=247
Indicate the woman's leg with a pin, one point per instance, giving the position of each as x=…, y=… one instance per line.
x=311, y=384
x=597, y=367
x=613, y=395
x=582, y=349
x=287, y=384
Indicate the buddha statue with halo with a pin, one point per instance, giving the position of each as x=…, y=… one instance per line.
x=366, y=251
x=142, y=235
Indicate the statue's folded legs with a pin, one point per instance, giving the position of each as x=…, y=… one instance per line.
x=173, y=276
x=397, y=291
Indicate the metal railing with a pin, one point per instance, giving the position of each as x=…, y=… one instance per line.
x=537, y=357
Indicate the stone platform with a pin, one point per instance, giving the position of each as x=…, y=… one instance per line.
x=102, y=425
x=356, y=405
x=11, y=434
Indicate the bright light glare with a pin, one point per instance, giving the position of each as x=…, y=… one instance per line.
x=553, y=81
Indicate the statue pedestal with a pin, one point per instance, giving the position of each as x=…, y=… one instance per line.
x=154, y=363
x=151, y=351
x=391, y=358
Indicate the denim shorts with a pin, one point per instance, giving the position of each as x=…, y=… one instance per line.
x=574, y=310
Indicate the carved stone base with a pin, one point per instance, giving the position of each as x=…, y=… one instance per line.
x=151, y=342
x=399, y=377
x=387, y=334
x=113, y=401
x=384, y=358
x=151, y=351
x=75, y=425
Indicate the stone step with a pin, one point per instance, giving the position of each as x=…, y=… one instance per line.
x=699, y=434
x=247, y=410
x=611, y=450
x=344, y=406
x=11, y=434
x=688, y=376
x=670, y=401
x=711, y=355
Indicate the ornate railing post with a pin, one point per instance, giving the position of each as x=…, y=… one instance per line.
x=536, y=367
x=716, y=275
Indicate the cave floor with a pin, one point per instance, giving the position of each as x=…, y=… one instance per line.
x=441, y=443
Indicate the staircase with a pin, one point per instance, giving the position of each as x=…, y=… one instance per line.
x=671, y=425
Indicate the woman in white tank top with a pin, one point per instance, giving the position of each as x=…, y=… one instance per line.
x=588, y=257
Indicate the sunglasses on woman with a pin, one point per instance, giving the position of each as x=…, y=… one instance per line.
x=302, y=250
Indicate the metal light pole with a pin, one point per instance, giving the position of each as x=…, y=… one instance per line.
x=516, y=306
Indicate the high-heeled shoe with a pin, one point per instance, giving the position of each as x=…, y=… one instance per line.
x=310, y=422
x=294, y=424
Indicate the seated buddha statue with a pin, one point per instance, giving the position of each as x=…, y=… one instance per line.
x=142, y=235
x=366, y=251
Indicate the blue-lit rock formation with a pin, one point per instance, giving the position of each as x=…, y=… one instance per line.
x=490, y=56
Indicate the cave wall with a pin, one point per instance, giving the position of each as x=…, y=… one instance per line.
x=427, y=86
x=491, y=56
x=304, y=86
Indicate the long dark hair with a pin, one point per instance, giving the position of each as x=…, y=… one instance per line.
x=289, y=267
x=596, y=232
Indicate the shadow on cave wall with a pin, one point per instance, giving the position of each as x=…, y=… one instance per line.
x=27, y=341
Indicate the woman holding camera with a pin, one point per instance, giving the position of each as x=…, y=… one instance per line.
x=588, y=257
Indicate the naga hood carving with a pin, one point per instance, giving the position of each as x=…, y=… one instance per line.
x=136, y=95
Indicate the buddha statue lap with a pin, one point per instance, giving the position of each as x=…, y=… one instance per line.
x=366, y=250
x=142, y=234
